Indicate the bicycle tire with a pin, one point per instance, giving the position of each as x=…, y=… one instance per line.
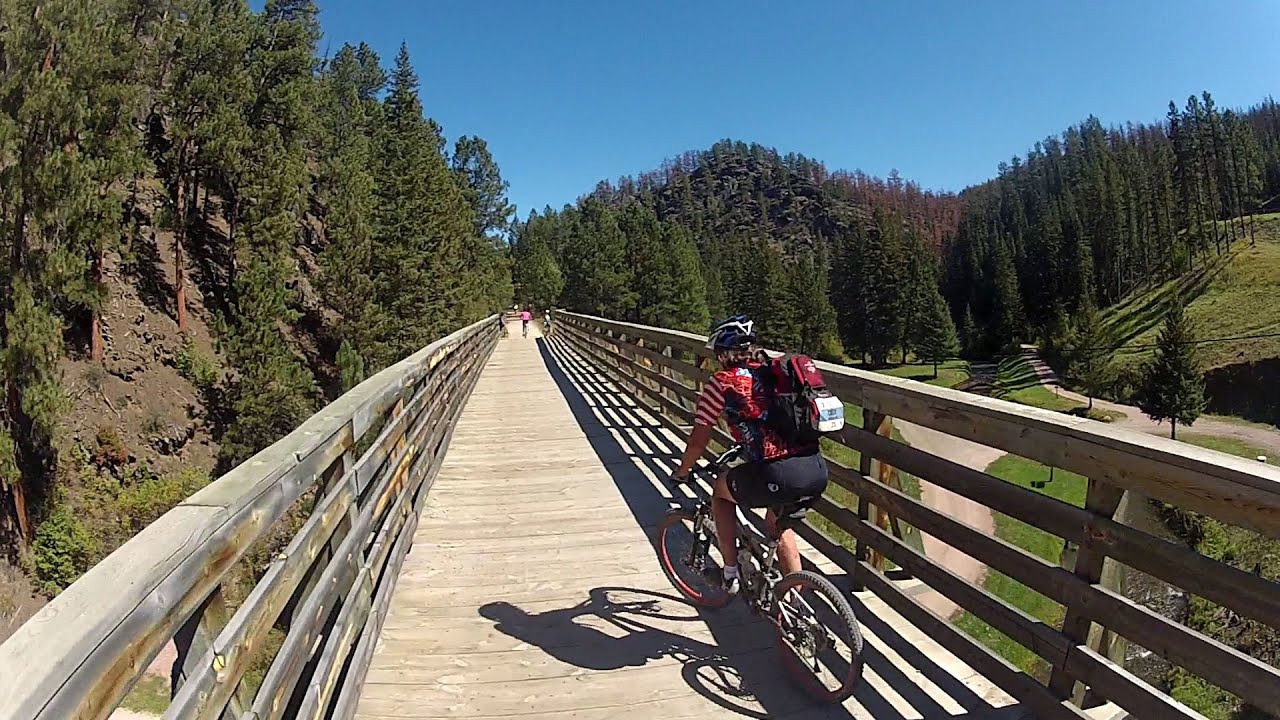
x=848, y=629
x=671, y=556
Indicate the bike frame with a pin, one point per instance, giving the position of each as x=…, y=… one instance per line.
x=757, y=582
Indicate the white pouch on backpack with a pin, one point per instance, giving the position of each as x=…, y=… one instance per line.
x=830, y=413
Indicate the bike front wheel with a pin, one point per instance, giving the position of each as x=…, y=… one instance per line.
x=691, y=559
x=818, y=636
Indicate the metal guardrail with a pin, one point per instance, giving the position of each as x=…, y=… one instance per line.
x=328, y=589
x=663, y=369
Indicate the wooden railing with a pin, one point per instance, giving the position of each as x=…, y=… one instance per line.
x=328, y=589
x=663, y=369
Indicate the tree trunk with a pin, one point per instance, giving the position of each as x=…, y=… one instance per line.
x=1090, y=402
x=179, y=237
x=1173, y=429
x=935, y=369
x=95, y=319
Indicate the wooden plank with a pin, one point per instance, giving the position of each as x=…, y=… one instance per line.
x=1226, y=667
x=1223, y=486
x=1103, y=500
x=1043, y=640
x=674, y=386
x=353, y=680
x=1124, y=689
x=277, y=687
x=1226, y=487
x=718, y=434
x=222, y=667
x=1010, y=679
x=696, y=344
x=1243, y=592
x=195, y=643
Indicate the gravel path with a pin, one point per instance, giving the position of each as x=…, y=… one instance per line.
x=1257, y=435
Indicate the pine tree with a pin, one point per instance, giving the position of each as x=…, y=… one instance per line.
x=650, y=276
x=205, y=92
x=350, y=366
x=346, y=188
x=1090, y=357
x=713, y=282
x=777, y=315
x=810, y=304
x=482, y=185
x=421, y=246
x=65, y=144
x=274, y=391
x=688, y=290
x=936, y=339
x=918, y=285
x=597, y=278
x=1173, y=380
x=1007, y=319
x=538, y=279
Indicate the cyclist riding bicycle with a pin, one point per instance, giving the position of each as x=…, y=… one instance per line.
x=525, y=317
x=776, y=471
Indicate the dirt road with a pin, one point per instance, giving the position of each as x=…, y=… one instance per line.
x=974, y=514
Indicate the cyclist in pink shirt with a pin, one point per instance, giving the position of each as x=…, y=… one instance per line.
x=525, y=317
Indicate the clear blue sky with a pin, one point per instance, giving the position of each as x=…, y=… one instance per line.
x=570, y=92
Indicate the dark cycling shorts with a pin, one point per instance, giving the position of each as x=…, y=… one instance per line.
x=794, y=481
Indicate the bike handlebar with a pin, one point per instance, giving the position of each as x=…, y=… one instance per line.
x=710, y=471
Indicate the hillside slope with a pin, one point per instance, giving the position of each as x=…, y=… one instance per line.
x=1231, y=301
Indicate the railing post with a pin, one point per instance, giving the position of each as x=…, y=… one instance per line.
x=1102, y=499
x=871, y=423
x=194, y=640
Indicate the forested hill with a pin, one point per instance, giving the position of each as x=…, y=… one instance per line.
x=844, y=264
x=743, y=228
x=1098, y=213
x=738, y=189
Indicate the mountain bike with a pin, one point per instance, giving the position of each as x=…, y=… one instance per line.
x=817, y=632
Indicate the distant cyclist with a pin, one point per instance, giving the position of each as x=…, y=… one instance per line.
x=775, y=472
x=525, y=317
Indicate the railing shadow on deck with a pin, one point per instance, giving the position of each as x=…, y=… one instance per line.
x=743, y=663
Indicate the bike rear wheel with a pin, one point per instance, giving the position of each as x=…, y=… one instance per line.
x=691, y=559
x=818, y=636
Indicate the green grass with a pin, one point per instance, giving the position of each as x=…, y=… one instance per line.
x=1229, y=445
x=1016, y=381
x=851, y=458
x=1237, y=294
x=950, y=373
x=150, y=695
x=1067, y=487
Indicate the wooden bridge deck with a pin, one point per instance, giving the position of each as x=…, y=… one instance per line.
x=532, y=588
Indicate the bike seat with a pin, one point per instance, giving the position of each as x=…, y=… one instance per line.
x=791, y=514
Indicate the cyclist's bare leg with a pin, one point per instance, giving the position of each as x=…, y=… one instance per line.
x=788, y=552
x=724, y=509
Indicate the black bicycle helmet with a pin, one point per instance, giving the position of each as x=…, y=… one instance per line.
x=735, y=333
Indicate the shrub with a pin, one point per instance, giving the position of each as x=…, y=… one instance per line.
x=147, y=495
x=198, y=369
x=109, y=449
x=62, y=550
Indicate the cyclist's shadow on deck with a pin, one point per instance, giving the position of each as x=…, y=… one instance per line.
x=624, y=627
